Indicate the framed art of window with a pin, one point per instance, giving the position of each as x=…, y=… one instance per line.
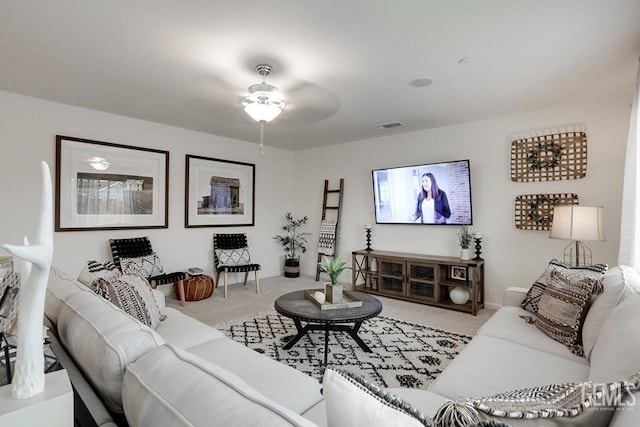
x=106, y=186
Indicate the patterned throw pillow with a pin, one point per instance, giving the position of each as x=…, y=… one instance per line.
x=146, y=265
x=233, y=257
x=595, y=271
x=352, y=400
x=563, y=307
x=94, y=270
x=585, y=403
x=132, y=294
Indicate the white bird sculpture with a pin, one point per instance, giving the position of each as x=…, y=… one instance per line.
x=29, y=371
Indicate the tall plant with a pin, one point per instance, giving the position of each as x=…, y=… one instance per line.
x=295, y=241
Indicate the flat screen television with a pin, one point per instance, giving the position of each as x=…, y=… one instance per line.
x=433, y=193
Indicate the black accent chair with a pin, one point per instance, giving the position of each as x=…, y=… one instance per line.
x=231, y=255
x=137, y=247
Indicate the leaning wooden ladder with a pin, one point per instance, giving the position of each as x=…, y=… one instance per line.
x=329, y=227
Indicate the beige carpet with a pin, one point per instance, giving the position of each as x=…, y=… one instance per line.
x=243, y=300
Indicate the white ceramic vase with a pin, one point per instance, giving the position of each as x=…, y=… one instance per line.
x=459, y=295
x=465, y=254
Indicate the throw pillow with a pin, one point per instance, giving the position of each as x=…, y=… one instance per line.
x=133, y=295
x=562, y=309
x=351, y=400
x=94, y=270
x=619, y=283
x=586, y=403
x=596, y=271
x=146, y=265
x=233, y=257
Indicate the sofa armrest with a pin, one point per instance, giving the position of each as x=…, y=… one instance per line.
x=513, y=296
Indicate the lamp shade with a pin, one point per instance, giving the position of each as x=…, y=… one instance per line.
x=578, y=223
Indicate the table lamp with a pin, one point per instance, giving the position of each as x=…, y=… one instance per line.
x=577, y=223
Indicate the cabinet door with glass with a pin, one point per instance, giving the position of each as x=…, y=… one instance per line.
x=391, y=273
x=421, y=283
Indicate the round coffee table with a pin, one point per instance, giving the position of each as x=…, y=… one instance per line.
x=297, y=307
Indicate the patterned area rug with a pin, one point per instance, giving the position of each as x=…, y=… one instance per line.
x=404, y=354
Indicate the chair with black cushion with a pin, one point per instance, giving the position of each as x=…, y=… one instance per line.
x=136, y=254
x=231, y=255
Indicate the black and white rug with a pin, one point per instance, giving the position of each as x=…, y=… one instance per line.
x=404, y=354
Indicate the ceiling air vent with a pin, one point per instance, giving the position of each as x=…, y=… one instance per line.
x=389, y=125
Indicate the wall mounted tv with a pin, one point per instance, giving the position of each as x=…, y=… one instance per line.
x=433, y=193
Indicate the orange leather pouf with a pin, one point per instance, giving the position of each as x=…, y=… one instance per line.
x=196, y=288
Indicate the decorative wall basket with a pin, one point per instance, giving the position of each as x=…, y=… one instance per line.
x=549, y=157
x=535, y=211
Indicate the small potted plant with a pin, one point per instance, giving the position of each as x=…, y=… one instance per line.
x=465, y=238
x=294, y=243
x=333, y=267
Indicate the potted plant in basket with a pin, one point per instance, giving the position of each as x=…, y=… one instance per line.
x=294, y=243
x=333, y=267
x=465, y=238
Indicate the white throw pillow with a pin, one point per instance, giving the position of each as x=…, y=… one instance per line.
x=352, y=401
x=146, y=266
x=619, y=283
x=233, y=257
x=616, y=354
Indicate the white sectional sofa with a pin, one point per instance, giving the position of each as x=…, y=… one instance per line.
x=187, y=373
x=182, y=373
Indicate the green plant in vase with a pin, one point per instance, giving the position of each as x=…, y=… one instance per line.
x=333, y=267
x=465, y=237
x=294, y=243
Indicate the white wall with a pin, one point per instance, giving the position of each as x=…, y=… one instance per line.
x=294, y=181
x=513, y=257
x=28, y=128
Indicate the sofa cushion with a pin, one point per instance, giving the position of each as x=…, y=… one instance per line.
x=507, y=324
x=168, y=386
x=350, y=400
x=59, y=288
x=620, y=282
x=616, y=353
x=132, y=294
x=489, y=365
x=596, y=271
x=562, y=309
x=283, y=384
x=183, y=331
x=103, y=340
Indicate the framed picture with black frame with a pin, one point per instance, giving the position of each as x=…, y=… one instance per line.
x=108, y=186
x=218, y=193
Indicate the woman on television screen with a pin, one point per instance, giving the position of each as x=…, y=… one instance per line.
x=433, y=205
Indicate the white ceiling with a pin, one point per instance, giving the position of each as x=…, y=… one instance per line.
x=343, y=65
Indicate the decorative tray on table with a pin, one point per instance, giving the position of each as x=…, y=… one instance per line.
x=349, y=300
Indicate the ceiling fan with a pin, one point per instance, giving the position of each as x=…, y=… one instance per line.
x=264, y=102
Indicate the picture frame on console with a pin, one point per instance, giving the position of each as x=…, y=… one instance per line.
x=107, y=186
x=458, y=273
x=219, y=193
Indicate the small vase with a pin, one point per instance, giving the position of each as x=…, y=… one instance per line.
x=465, y=254
x=459, y=295
x=333, y=293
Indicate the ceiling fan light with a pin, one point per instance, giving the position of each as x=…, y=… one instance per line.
x=263, y=111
